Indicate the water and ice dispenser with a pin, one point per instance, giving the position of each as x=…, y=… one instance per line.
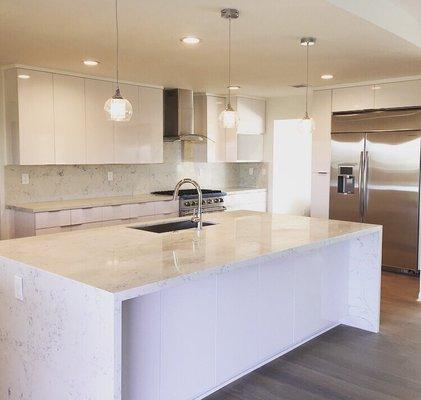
x=346, y=179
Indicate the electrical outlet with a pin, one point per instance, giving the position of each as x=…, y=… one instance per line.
x=263, y=171
x=19, y=287
x=110, y=176
x=251, y=171
x=25, y=179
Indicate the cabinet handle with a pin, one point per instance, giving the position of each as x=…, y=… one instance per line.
x=322, y=172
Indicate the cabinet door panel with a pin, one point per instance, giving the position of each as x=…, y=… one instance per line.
x=126, y=133
x=353, y=98
x=99, y=131
x=188, y=339
x=36, y=118
x=398, y=94
x=252, y=114
x=151, y=125
x=69, y=119
x=237, y=347
x=276, y=322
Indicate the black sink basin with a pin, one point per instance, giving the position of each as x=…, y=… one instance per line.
x=170, y=226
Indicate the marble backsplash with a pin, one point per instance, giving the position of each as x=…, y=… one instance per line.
x=52, y=182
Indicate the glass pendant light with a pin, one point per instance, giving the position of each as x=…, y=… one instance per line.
x=307, y=124
x=229, y=117
x=117, y=107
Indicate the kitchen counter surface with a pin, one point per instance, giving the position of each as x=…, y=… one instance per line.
x=129, y=262
x=45, y=206
x=58, y=205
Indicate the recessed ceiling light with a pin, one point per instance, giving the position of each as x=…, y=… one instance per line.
x=326, y=77
x=190, y=40
x=91, y=63
x=23, y=76
x=234, y=87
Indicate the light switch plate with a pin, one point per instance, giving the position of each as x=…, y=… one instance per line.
x=19, y=287
x=110, y=176
x=25, y=179
x=251, y=170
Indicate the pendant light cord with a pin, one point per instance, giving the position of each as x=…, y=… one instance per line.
x=116, y=30
x=307, y=49
x=229, y=60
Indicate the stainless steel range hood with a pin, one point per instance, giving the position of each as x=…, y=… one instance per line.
x=179, y=116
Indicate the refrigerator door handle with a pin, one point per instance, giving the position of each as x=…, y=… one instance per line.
x=366, y=175
x=361, y=188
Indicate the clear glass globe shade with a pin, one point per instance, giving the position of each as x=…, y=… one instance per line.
x=229, y=119
x=118, y=109
x=307, y=125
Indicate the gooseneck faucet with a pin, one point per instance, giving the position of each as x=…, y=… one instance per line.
x=197, y=214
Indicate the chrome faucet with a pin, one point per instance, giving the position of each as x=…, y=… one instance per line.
x=197, y=214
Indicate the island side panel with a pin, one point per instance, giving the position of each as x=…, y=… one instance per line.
x=364, y=282
x=61, y=341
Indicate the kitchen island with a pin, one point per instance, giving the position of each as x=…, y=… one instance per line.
x=117, y=313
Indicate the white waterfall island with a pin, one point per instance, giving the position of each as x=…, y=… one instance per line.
x=121, y=314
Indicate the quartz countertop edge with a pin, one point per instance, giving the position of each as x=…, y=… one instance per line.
x=122, y=288
x=58, y=205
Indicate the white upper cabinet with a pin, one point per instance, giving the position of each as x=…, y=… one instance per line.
x=99, y=131
x=126, y=133
x=29, y=117
x=398, y=94
x=252, y=115
x=60, y=119
x=69, y=119
x=151, y=125
x=353, y=98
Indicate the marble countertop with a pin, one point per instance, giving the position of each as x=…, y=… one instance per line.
x=129, y=262
x=58, y=205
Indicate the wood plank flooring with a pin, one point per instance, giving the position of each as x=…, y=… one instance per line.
x=347, y=363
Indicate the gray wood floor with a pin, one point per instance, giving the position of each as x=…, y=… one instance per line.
x=346, y=363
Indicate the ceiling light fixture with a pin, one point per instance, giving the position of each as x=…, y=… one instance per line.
x=91, y=63
x=23, y=76
x=229, y=117
x=327, y=77
x=234, y=87
x=307, y=123
x=190, y=40
x=117, y=107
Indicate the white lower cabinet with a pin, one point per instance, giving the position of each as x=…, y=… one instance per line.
x=199, y=335
x=247, y=200
x=52, y=219
x=237, y=344
x=188, y=340
x=119, y=211
x=276, y=288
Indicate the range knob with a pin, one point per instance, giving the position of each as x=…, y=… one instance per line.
x=187, y=203
x=209, y=201
x=203, y=202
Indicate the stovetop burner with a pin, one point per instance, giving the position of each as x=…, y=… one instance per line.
x=188, y=192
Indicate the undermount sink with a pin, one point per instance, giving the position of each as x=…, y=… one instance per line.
x=170, y=226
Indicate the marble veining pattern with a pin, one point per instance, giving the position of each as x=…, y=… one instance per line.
x=64, y=182
x=131, y=262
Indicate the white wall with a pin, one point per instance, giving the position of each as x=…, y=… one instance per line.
x=280, y=108
x=291, y=169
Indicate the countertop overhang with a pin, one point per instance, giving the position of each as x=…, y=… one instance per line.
x=128, y=262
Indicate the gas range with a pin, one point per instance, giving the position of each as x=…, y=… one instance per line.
x=213, y=200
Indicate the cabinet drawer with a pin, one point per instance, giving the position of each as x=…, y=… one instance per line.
x=86, y=215
x=123, y=221
x=52, y=219
x=121, y=211
x=141, y=209
x=57, y=229
x=166, y=207
x=88, y=225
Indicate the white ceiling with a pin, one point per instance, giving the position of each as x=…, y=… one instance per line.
x=266, y=55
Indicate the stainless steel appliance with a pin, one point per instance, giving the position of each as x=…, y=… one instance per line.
x=375, y=178
x=213, y=200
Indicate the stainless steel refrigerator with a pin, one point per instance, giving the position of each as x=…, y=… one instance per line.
x=375, y=178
